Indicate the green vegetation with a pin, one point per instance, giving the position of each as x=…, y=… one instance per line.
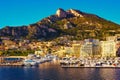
x=89, y=26
x=16, y=52
x=52, y=27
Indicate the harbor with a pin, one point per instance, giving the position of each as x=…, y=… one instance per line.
x=64, y=62
x=90, y=63
x=30, y=60
x=53, y=71
x=11, y=61
x=11, y=64
x=76, y=66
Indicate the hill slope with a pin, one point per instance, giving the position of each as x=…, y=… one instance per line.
x=74, y=23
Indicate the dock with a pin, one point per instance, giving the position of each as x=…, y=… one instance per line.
x=23, y=57
x=12, y=64
x=76, y=66
x=11, y=60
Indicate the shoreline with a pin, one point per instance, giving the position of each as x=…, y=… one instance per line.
x=12, y=64
x=15, y=57
x=4, y=62
x=90, y=67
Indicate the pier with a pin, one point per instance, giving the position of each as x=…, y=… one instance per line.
x=76, y=66
x=12, y=64
x=90, y=63
x=12, y=61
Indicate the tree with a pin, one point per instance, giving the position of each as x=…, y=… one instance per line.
x=1, y=53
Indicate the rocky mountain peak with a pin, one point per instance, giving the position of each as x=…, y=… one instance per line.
x=61, y=13
x=76, y=13
x=64, y=23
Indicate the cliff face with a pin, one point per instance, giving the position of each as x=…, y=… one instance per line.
x=71, y=22
x=14, y=31
x=30, y=32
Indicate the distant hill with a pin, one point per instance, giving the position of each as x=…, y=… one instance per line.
x=73, y=23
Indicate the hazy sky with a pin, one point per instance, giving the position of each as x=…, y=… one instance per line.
x=24, y=12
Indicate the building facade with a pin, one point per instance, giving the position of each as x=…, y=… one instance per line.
x=90, y=48
x=108, y=48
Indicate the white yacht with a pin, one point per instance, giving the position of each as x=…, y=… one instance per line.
x=29, y=62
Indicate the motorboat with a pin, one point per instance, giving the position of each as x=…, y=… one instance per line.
x=29, y=62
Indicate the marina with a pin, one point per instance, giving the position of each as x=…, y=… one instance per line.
x=53, y=71
x=65, y=62
x=12, y=64
x=90, y=63
x=76, y=66
x=59, y=40
x=30, y=60
x=11, y=61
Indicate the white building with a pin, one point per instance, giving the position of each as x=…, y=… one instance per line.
x=86, y=49
x=90, y=48
x=108, y=48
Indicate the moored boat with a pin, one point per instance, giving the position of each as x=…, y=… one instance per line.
x=29, y=62
x=90, y=63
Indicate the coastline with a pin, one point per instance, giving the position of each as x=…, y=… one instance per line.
x=17, y=62
x=16, y=57
x=90, y=67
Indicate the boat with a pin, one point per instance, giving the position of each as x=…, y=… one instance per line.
x=90, y=63
x=29, y=62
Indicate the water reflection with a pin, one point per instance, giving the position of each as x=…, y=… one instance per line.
x=52, y=71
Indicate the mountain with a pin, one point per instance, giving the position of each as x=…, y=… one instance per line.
x=73, y=23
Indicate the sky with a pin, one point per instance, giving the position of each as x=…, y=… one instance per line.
x=25, y=12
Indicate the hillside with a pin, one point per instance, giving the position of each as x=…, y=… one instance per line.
x=73, y=23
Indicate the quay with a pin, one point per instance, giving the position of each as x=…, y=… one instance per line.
x=12, y=64
x=90, y=63
x=74, y=66
x=12, y=61
x=30, y=60
x=23, y=57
